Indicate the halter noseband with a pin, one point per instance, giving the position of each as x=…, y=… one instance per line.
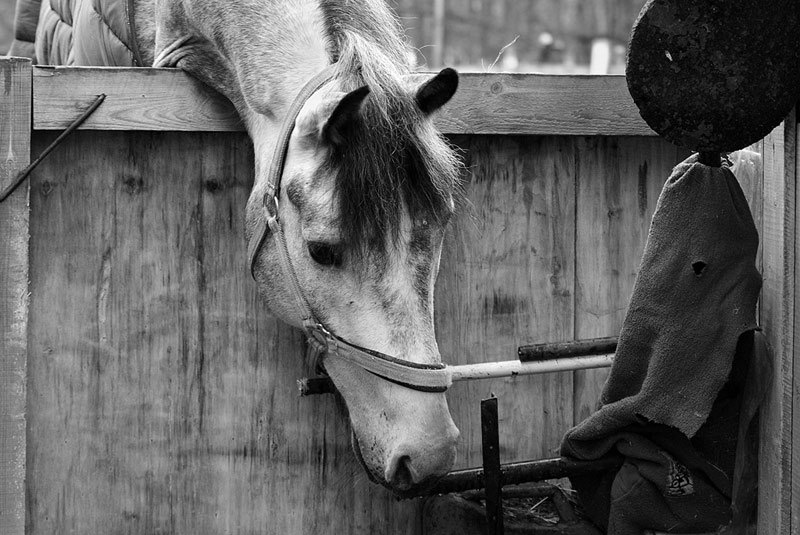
x=421, y=377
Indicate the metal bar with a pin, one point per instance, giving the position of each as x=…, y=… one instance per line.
x=493, y=476
x=522, y=472
x=575, y=348
x=524, y=490
x=484, y=370
x=511, y=368
x=75, y=124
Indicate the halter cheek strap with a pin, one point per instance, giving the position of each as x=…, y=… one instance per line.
x=421, y=377
x=270, y=201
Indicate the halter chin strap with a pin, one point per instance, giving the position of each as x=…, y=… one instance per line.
x=421, y=377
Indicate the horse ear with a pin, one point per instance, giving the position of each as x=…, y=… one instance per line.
x=343, y=116
x=434, y=93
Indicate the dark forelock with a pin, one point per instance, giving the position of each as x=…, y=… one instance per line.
x=393, y=155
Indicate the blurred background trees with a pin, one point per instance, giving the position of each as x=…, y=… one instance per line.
x=578, y=36
x=6, y=24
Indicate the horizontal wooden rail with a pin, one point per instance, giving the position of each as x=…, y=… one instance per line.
x=504, y=104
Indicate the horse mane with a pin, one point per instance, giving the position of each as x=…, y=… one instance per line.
x=393, y=155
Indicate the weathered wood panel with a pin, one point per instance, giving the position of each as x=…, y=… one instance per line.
x=506, y=280
x=547, y=250
x=794, y=245
x=619, y=182
x=15, y=126
x=136, y=99
x=778, y=505
x=163, y=397
x=168, y=99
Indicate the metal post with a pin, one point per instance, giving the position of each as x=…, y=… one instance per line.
x=493, y=477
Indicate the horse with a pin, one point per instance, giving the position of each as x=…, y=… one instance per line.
x=345, y=239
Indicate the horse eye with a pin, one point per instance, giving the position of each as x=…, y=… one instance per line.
x=325, y=254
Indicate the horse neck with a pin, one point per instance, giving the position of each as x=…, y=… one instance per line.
x=267, y=48
x=259, y=53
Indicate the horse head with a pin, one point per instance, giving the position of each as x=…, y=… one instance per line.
x=366, y=191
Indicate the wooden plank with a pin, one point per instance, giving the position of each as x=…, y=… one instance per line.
x=168, y=99
x=137, y=99
x=15, y=128
x=778, y=318
x=795, y=394
x=283, y=464
x=619, y=183
x=539, y=104
x=113, y=321
x=506, y=280
x=159, y=402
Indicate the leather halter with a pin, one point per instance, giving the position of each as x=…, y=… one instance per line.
x=421, y=377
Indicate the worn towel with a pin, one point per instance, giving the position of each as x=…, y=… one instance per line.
x=669, y=482
x=694, y=296
x=695, y=293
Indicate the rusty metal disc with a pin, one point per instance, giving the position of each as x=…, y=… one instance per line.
x=715, y=75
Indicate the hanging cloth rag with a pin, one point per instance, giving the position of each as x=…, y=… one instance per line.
x=695, y=295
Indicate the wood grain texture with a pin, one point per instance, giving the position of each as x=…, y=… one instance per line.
x=168, y=99
x=137, y=99
x=163, y=397
x=794, y=243
x=15, y=127
x=507, y=280
x=619, y=182
x=778, y=319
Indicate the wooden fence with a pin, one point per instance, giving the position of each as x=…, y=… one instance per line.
x=143, y=387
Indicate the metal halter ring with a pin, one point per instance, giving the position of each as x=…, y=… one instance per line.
x=272, y=212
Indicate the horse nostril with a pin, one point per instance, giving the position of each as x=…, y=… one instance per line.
x=398, y=473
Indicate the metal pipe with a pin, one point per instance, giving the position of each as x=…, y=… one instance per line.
x=522, y=472
x=573, y=348
x=512, y=368
x=523, y=490
x=493, y=476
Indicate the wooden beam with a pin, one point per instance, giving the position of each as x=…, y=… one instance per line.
x=793, y=241
x=137, y=99
x=15, y=132
x=778, y=319
x=168, y=99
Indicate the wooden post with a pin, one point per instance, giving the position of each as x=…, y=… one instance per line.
x=779, y=490
x=15, y=134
